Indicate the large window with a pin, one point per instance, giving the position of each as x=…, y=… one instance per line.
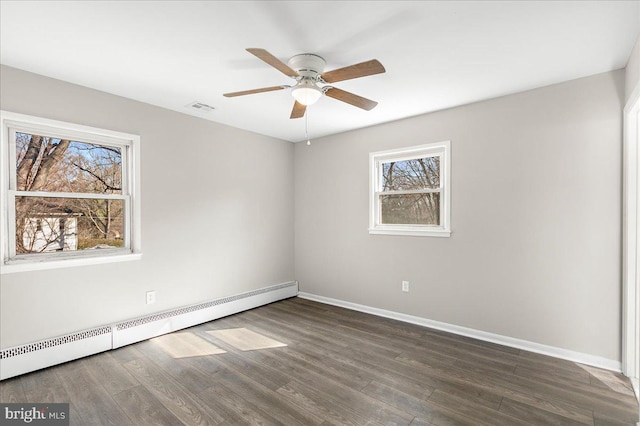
x=69, y=194
x=410, y=191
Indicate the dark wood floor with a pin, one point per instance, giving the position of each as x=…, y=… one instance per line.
x=339, y=368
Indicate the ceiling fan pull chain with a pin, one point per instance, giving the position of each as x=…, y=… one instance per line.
x=306, y=128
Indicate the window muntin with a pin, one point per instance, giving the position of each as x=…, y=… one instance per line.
x=410, y=191
x=69, y=193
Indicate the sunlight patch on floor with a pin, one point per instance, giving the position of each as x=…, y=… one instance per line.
x=185, y=345
x=245, y=340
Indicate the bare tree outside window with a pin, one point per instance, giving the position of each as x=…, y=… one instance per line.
x=410, y=200
x=46, y=164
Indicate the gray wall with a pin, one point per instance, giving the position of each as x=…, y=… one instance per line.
x=536, y=206
x=217, y=209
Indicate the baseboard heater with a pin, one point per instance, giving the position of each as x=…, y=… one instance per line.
x=45, y=353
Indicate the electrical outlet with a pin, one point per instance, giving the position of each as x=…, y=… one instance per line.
x=151, y=297
x=405, y=286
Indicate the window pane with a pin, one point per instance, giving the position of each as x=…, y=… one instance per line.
x=45, y=224
x=412, y=209
x=419, y=173
x=45, y=163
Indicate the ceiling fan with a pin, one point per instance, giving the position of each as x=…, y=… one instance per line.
x=311, y=82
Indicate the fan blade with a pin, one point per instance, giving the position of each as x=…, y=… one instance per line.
x=298, y=110
x=362, y=69
x=350, y=98
x=250, y=92
x=273, y=61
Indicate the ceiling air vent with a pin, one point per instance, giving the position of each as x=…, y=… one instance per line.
x=199, y=106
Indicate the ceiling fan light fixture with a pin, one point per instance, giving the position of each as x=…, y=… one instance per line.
x=306, y=92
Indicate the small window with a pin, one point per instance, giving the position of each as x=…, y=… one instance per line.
x=409, y=191
x=71, y=194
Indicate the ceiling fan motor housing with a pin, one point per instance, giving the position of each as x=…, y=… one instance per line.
x=307, y=65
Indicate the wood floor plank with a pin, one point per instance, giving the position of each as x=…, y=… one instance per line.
x=243, y=362
x=534, y=415
x=175, y=396
x=361, y=366
x=109, y=372
x=612, y=414
x=483, y=364
x=527, y=358
x=235, y=409
x=126, y=353
x=414, y=388
x=461, y=383
x=143, y=408
x=609, y=380
x=558, y=374
x=266, y=399
x=316, y=403
x=570, y=395
x=469, y=350
x=471, y=344
x=330, y=344
x=179, y=369
x=479, y=413
x=94, y=405
x=337, y=331
x=208, y=365
x=331, y=367
x=540, y=360
x=44, y=386
x=603, y=421
x=343, y=365
x=338, y=393
x=598, y=402
x=422, y=408
x=446, y=345
x=613, y=385
x=400, y=376
x=11, y=391
x=378, y=326
x=580, y=415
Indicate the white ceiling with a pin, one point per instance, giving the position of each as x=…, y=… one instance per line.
x=438, y=54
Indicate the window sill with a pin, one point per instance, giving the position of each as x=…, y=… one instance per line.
x=411, y=231
x=27, y=265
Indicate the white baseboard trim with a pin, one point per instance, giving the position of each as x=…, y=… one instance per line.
x=582, y=358
x=45, y=353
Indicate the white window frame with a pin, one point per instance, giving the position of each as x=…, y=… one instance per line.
x=130, y=145
x=376, y=159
